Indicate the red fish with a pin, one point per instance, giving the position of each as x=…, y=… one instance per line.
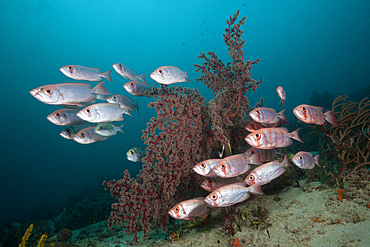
x=314, y=115
x=264, y=154
x=270, y=138
x=281, y=93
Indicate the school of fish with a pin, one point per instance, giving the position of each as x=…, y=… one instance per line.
x=230, y=180
x=225, y=178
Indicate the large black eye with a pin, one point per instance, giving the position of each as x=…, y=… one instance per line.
x=120, y=65
x=99, y=128
x=203, y=165
x=131, y=152
x=49, y=91
x=57, y=114
x=303, y=108
x=252, y=152
x=82, y=134
x=300, y=157
x=160, y=71
x=70, y=68
x=257, y=135
x=251, y=178
x=257, y=111
x=177, y=209
x=88, y=110
x=114, y=97
x=132, y=84
x=214, y=197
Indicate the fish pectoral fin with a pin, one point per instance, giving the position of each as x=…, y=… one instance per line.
x=286, y=144
x=120, y=118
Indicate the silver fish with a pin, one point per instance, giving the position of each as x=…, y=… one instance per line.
x=267, y=116
x=108, y=129
x=69, y=94
x=190, y=209
x=124, y=102
x=235, y=165
x=128, y=73
x=281, y=93
x=78, y=72
x=267, y=172
x=205, y=167
x=169, y=75
x=305, y=160
x=64, y=117
x=231, y=194
x=211, y=184
x=69, y=132
x=135, y=154
x=264, y=154
x=137, y=88
x=102, y=113
x=88, y=135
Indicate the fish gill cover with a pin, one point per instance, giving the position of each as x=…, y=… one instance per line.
x=187, y=130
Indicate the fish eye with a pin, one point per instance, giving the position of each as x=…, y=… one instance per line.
x=303, y=108
x=160, y=71
x=99, y=128
x=257, y=111
x=82, y=134
x=252, y=125
x=88, y=110
x=223, y=166
x=132, y=84
x=252, y=152
x=251, y=178
x=214, y=197
x=257, y=135
x=203, y=165
x=41, y=89
x=177, y=209
x=114, y=97
x=300, y=157
x=69, y=130
x=57, y=114
x=120, y=65
x=209, y=182
x=49, y=91
x=131, y=152
x=70, y=68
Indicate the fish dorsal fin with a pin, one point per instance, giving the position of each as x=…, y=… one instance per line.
x=96, y=69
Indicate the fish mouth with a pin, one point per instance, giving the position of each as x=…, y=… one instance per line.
x=209, y=202
x=33, y=92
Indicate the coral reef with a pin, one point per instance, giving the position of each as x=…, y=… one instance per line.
x=350, y=142
x=186, y=131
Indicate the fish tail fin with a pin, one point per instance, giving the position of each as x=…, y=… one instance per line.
x=137, y=107
x=256, y=189
x=295, y=135
x=286, y=161
x=120, y=128
x=255, y=159
x=186, y=76
x=316, y=160
x=142, y=77
x=282, y=116
x=282, y=102
x=106, y=74
x=100, y=89
x=329, y=116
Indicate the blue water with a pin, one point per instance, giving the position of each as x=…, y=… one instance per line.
x=303, y=45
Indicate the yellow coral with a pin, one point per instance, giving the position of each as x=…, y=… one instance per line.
x=42, y=240
x=26, y=236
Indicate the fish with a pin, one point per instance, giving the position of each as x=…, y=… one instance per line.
x=314, y=115
x=108, y=129
x=101, y=113
x=205, y=167
x=267, y=115
x=78, y=72
x=270, y=138
x=305, y=160
x=128, y=73
x=281, y=93
x=233, y=166
x=253, y=126
x=169, y=75
x=264, y=154
x=69, y=132
x=190, y=209
x=211, y=184
x=137, y=88
x=267, y=172
x=88, y=136
x=231, y=194
x=64, y=117
x=124, y=102
x=69, y=94
x=135, y=154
